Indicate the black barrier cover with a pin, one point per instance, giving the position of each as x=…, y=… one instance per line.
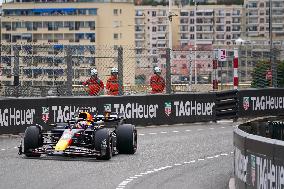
x=258, y=161
x=262, y=102
x=18, y=113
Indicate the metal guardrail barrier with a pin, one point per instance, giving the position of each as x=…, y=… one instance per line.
x=226, y=105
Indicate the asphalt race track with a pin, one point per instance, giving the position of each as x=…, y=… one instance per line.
x=190, y=156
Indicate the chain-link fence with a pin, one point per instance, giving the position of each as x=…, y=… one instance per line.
x=59, y=70
x=259, y=65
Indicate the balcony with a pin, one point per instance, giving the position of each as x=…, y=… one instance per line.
x=183, y=31
x=140, y=39
x=140, y=15
x=140, y=31
x=140, y=23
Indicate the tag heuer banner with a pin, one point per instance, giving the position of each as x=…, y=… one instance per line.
x=18, y=113
x=264, y=102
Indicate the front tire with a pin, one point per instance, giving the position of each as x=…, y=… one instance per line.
x=102, y=142
x=126, y=139
x=32, y=140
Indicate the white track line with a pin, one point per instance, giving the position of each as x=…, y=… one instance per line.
x=152, y=133
x=130, y=179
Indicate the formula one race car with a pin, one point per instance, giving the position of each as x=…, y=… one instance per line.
x=100, y=136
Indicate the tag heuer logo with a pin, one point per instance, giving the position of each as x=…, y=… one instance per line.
x=45, y=114
x=168, y=108
x=107, y=107
x=246, y=103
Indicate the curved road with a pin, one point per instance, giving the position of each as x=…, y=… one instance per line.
x=181, y=156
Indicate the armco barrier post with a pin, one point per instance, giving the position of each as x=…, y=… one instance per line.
x=168, y=71
x=69, y=71
x=120, y=70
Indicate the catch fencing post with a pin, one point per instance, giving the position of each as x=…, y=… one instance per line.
x=274, y=71
x=120, y=70
x=168, y=71
x=16, y=70
x=69, y=63
x=215, y=75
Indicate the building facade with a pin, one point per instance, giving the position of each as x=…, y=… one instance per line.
x=44, y=30
x=95, y=28
x=257, y=21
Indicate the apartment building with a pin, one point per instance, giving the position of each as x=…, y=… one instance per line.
x=90, y=27
x=212, y=24
x=206, y=27
x=257, y=20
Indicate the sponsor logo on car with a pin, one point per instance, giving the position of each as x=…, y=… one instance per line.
x=168, y=108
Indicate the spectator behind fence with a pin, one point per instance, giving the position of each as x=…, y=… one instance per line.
x=157, y=82
x=112, y=85
x=95, y=85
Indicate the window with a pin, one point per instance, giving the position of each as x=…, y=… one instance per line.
x=115, y=12
x=154, y=29
x=16, y=25
x=115, y=36
x=82, y=11
x=79, y=25
x=92, y=11
x=183, y=13
x=91, y=25
x=78, y=37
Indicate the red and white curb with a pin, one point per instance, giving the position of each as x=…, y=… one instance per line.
x=130, y=179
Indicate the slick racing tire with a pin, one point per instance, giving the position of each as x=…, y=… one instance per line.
x=32, y=140
x=126, y=139
x=102, y=137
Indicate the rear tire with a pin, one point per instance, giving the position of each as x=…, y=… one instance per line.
x=32, y=140
x=100, y=136
x=126, y=139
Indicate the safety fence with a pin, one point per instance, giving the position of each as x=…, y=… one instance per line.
x=59, y=70
x=258, y=156
x=18, y=113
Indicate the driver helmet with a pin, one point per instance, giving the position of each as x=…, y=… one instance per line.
x=86, y=116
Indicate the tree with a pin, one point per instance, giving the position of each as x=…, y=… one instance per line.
x=259, y=79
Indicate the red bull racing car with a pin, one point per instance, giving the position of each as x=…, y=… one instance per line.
x=100, y=136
